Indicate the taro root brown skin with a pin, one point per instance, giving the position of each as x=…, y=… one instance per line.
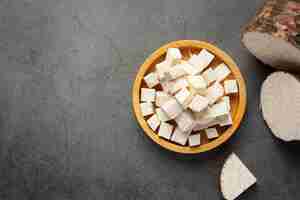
x=273, y=35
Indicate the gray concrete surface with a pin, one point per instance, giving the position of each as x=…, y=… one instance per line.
x=66, y=126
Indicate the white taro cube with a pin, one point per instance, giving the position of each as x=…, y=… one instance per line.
x=151, y=79
x=230, y=86
x=185, y=121
x=162, y=116
x=173, y=55
x=195, y=61
x=188, y=68
x=225, y=120
x=194, y=140
x=199, y=92
x=162, y=69
x=204, y=120
x=202, y=60
x=221, y=71
x=165, y=130
x=214, y=92
x=153, y=122
x=211, y=133
x=172, y=108
x=176, y=71
x=207, y=58
x=209, y=75
x=202, y=115
x=197, y=82
x=167, y=86
x=179, y=136
x=162, y=97
x=178, y=84
x=226, y=99
x=205, y=123
x=147, y=108
x=218, y=109
x=148, y=95
x=184, y=96
x=199, y=103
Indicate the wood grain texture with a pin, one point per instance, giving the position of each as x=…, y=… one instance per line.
x=238, y=102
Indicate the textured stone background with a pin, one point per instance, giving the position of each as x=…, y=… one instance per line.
x=66, y=127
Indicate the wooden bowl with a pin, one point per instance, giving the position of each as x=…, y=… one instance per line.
x=238, y=101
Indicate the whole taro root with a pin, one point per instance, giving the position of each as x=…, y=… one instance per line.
x=273, y=35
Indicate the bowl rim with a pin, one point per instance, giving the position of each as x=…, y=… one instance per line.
x=241, y=109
